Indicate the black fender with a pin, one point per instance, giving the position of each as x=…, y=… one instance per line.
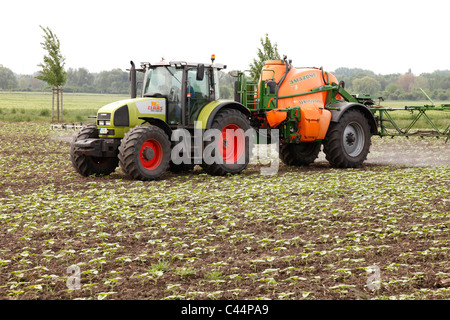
x=229, y=105
x=345, y=106
x=158, y=123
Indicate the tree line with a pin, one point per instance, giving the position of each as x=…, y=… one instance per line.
x=391, y=86
x=406, y=86
x=78, y=80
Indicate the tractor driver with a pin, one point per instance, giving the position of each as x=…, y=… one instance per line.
x=190, y=93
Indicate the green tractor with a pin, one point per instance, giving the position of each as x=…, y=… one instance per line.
x=138, y=133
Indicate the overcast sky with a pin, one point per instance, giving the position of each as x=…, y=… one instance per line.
x=382, y=36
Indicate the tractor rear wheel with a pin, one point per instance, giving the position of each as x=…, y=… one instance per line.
x=230, y=149
x=299, y=154
x=87, y=165
x=347, y=142
x=144, y=153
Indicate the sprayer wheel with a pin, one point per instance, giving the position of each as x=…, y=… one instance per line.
x=347, y=142
x=176, y=168
x=299, y=154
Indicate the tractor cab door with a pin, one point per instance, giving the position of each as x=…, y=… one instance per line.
x=164, y=81
x=199, y=92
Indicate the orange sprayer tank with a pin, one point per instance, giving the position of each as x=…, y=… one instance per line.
x=314, y=119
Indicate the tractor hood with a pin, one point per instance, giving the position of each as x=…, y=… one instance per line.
x=119, y=116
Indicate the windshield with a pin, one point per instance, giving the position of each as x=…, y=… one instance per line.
x=162, y=79
x=226, y=85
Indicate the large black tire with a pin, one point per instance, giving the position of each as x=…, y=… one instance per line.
x=234, y=159
x=183, y=167
x=299, y=154
x=88, y=165
x=347, y=142
x=144, y=153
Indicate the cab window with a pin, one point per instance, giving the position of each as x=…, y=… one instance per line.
x=199, y=93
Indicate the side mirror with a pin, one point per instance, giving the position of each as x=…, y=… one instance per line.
x=200, y=72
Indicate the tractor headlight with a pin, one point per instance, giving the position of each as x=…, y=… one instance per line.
x=107, y=122
x=101, y=123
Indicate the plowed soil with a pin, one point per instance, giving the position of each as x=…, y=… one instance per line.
x=304, y=233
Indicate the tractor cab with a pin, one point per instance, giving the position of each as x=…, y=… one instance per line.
x=186, y=88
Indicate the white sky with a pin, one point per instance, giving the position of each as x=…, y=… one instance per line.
x=378, y=35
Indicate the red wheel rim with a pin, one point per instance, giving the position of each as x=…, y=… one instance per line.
x=231, y=143
x=151, y=154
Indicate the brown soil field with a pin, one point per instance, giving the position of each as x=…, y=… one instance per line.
x=305, y=233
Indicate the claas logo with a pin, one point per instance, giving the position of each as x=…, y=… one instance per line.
x=155, y=107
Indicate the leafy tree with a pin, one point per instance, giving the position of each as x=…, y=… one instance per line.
x=349, y=74
x=227, y=83
x=441, y=94
x=366, y=85
x=7, y=79
x=267, y=52
x=387, y=79
x=114, y=81
x=420, y=82
x=406, y=81
x=353, y=72
x=27, y=82
x=53, y=66
x=79, y=80
x=393, y=91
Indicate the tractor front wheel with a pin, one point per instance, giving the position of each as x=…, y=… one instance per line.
x=87, y=165
x=144, y=153
x=347, y=142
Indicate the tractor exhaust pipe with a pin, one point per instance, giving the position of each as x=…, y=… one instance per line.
x=133, y=80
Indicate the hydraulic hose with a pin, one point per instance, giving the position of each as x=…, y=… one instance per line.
x=288, y=68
